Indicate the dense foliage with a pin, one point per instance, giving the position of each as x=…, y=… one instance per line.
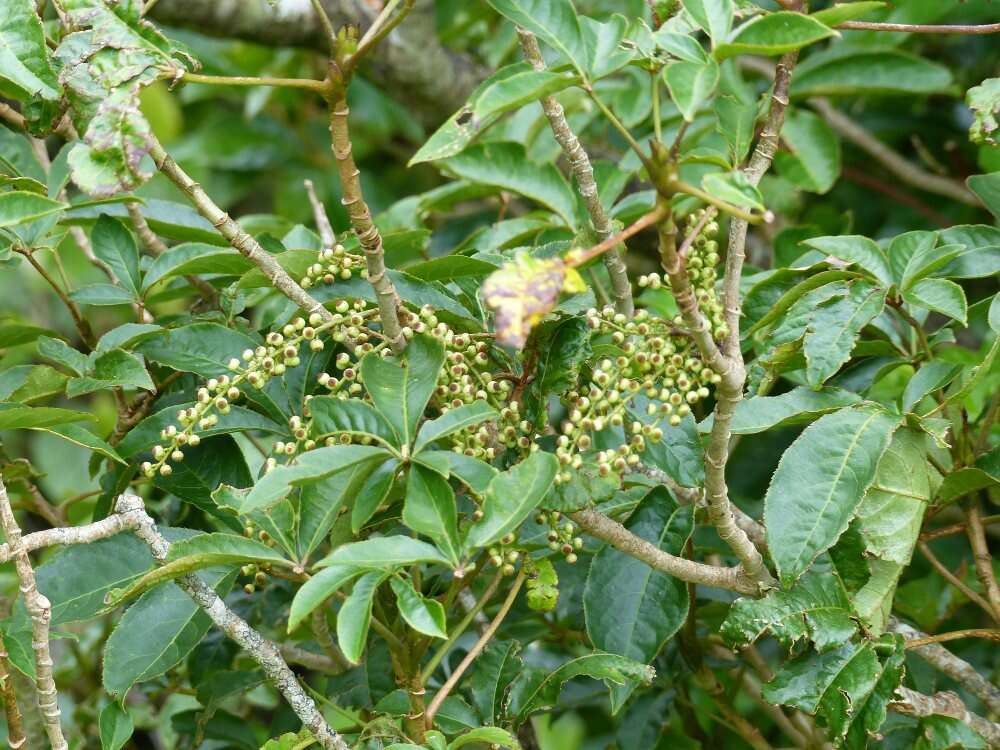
x=520, y=373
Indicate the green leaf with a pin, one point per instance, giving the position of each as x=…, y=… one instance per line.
x=496, y=668
x=849, y=71
x=714, y=16
x=111, y=369
x=733, y=187
x=19, y=207
x=958, y=484
x=511, y=497
x=201, y=348
x=384, y=552
x=355, y=616
x=474, y=473
x=836, y=458
x=833, y=685
x=334, y=416
x=833, y=332
x=115, y=245
x=195, y=258
x=486, y=736
x=24, y=57
x=630, y=608
x=291, y=741
x=430, y=509
x=984, y=101
x=310, y=467
x=774, y=34
x=553, y=21
x=156, y=633
x=27, y=383
x=813, y=159
x=941, y=295
x=534, y=691
x=423, y=615
x=929, y=378
x=681, y=46
x=736, y=121
x=450, y=267
x=83, y=437
x=372, y=493
x=762, y=413
x=815, y=608
x=985, y=186
x=17, y=417
x=691, y=84
x=858, y=250
x=837, y=13
x=146, y=434
x=196, y=553
x=317, y=590
x=993, y=315
x=401, y=390
x=320, y=503
x=175, y=221
x=452, y=421
x=206, y=467
x=506, y=166
x=102, y=295
x=116, y=726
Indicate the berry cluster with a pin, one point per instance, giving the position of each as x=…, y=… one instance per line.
x=700, y=261
x=503, y=555
x=259, y=365
x=561, y=536
x=333, y=263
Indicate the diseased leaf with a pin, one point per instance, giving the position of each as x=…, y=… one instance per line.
x=984, y=101
x=819, y=483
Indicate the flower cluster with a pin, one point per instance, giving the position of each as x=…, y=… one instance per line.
x=332, y=264
x=280, y=351
x=700, y=261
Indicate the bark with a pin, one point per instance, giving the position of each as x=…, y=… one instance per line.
x=945, y=703
x=412, y=64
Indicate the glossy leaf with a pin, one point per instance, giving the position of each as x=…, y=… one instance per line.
x=318, y=589
x=423, y=615
x=496, y=668
x=553, y=21
x=355, y=616
x=384, y=552
x=762, y=413
x=844, y=71
x=24, y=58
x=335, y=416
x=691, y=84
x=939, y=295
x=19, y=207
x=452, y=421
x=774, y=34
x=430, y=509
x=511, y=497
x=116, y=726
x=201, y=348
x=401, y=390
x=836, y=458
x=714, y=16
x=630, y=608
x=115, y=245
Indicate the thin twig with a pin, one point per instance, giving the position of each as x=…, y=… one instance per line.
x=15, y=731
x=945, y=703
x=263, y=651
x=474, y=652
x=954, y=580
x=890, y=159
x=324, y=21
x=40, y=611
x=599, y=525
x=645, y=221
x=295, y=83
x=954, y=635
x=81, y=324
x=381, y=27
x=981, y=556
x=238, y=238
x=922, y=28
x=326, y=234
x=582, y=169
x=956, y=528
x=947, y=663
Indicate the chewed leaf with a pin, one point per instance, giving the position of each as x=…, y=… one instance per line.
x=109, y=159
x=523, y=292
x=984, y=101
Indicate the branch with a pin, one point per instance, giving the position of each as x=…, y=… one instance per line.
x=945, y=703
x=730, y=390
x=326, y=234
x=15, y=729
x=263, y=651
x=579, y=162
x=580, y=257
x=432, y=81
x=922, y=28
x=475, y=650
x=946, y=662
x=309, y=659
x=232, y=231
x=92, y=532
x=361, y=220
x=988, y=633
x=157, y=248
x=981, y=556
x=954, y=580
x=79, y=322
x=40, y=611
x=890, y=159
x=600, y=526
